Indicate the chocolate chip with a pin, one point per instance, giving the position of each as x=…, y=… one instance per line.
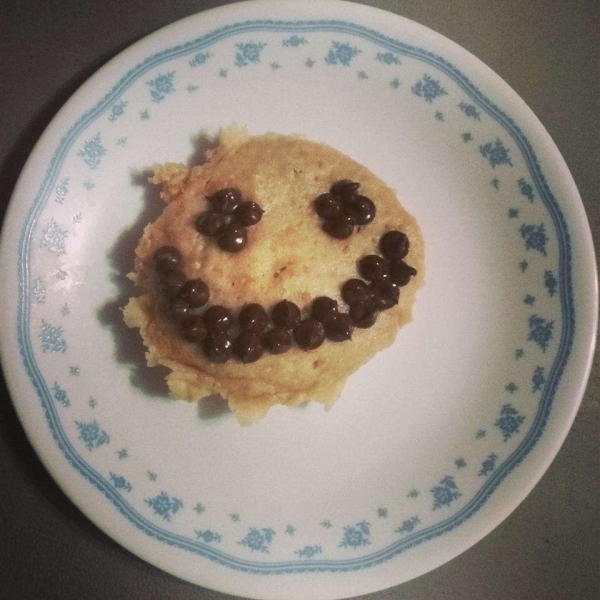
x=193, y=329
x=212, y=223
x=309, y=334
x=218, y=318
x=356, y=290
x=177, y=309
x=225, y=201
x=385, y=294
x=171, y=283
x=277, y=340
x=195, y=292
x=338, y=328
x=401, y=273
x=323, y=308
x=218, y=347
x=248, y=213
x=248, y=347
x=253, y=317
x=394, y=245
x=340, y=227
x=328, y=207
x=285, y=314
x=373, y=267
x=361, y=208
x=233, y=239
x=345, y=188
x=363, y=314
x=166, y=259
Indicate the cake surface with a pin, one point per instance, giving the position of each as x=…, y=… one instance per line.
x=288, y=256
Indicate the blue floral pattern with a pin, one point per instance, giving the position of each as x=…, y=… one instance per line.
x=164, y=506
x=199, y=59
x=550, y=282
x=388, y=58
x=526, y=189
x=308, y=551
x=53, y=238
x=341, y=54
x=208, y=536
x=258, y=540
x=428, y=88
x=496, y=153
x=92, y=435
x=294, y=41
x=356, y=536
x=509, y=421
x=39, y=291
x=248, y=53
x=408, y=525
x=538, y=379
x=52, y=338
x=161, y=86
x=470, y=110
x=62, y=189
x=535, y=237
x=120, y=482
x=60, y=395
x=117, y=110
x=445, y=492
x=540, y=331
x=488, y=465
x=92, y=152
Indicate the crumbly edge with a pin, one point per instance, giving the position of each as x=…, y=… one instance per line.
x=185, y=383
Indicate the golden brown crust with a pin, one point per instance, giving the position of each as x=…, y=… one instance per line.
x=288, y=256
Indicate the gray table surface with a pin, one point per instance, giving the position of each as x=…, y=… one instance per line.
x=547, y=50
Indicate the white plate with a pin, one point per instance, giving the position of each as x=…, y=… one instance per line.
x=434, y=441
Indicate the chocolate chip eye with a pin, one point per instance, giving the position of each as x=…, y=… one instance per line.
x=195, y=292
x=167, y=259
x=248, y=347
x=225, y=201
x=345, y=188
x=356, y=290
x=277, y=340
x=385, y=294
x=309, y=334
x=340, y=227
x=253, y=317
x=248, y=213
x=363, y=314
x=218, y=318
x=285, y=315
x=400, y=272
x=323, y=308
x=373, y=267
x=233, y=239
x=339, y=327
x=218, y=347
x=361, y=208
x=327, y=206
x=394, y=245
x=212, y=223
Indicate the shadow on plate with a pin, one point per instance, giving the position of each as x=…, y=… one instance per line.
x=129, y=348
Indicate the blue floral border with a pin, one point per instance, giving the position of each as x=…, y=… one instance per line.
x=554, y=375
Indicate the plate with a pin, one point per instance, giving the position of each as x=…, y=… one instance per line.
x=434, y=441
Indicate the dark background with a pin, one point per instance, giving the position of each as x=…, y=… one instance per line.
x=548, y=51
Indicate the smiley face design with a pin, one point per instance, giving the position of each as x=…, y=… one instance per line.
x=277, y=268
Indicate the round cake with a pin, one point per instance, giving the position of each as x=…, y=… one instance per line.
x=313, y=224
